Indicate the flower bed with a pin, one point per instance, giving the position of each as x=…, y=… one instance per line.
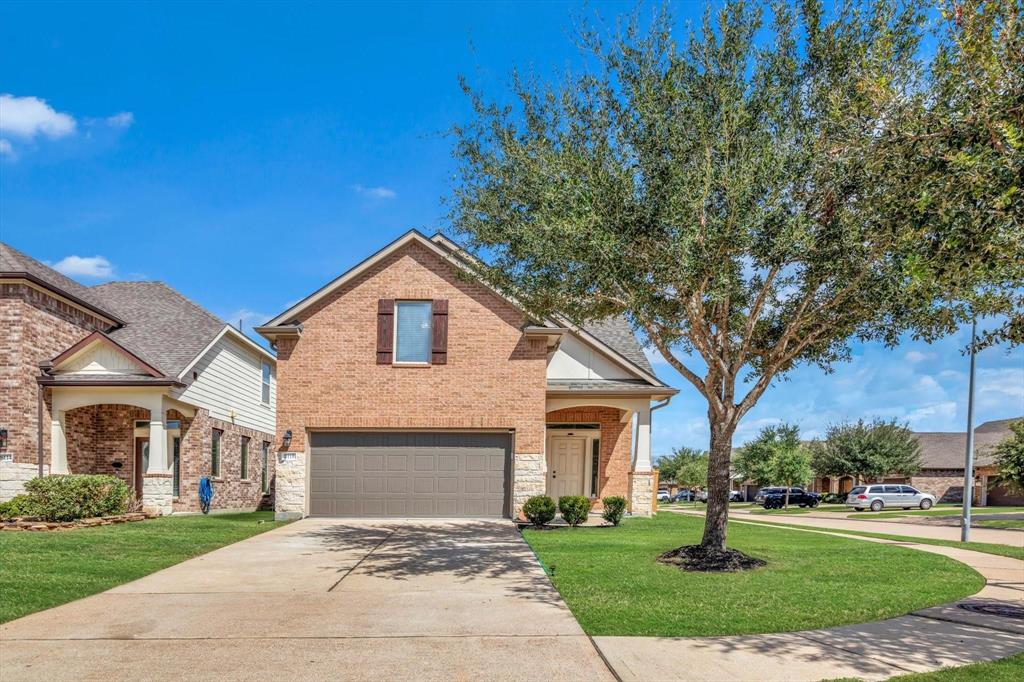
x=28, y=523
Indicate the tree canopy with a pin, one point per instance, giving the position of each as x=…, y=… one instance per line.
x=686, y=466
x=1009, y=458
x=760, y=192
x=867, y=450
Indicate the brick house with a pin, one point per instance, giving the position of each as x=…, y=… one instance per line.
x=130, y=379
x=942, y=467
x=408, y=388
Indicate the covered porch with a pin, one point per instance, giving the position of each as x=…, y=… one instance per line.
x=600, y=446
x=132, y=432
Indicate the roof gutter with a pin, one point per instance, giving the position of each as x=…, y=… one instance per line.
x=106, y=315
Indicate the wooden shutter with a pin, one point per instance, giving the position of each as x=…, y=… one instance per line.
x=385, y=330
x=439, y=343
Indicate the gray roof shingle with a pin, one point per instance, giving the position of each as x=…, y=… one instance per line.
x=942, y=450
x=163, y=327
x=13, y=261
x=616, y=333
x=603, y=385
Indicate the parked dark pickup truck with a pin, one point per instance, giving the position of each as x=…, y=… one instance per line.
x=775, y=498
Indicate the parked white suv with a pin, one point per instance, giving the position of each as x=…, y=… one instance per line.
x=878, y=497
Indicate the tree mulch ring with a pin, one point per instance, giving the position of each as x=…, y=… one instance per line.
x=698, y=558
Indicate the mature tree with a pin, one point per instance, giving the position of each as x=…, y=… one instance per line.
x=792, y=466
x=867, y=450
x=756, y=459
x=686, y=466
x=761, y=193
x=1009, y=455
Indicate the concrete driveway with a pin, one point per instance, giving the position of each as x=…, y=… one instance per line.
x=321, y=599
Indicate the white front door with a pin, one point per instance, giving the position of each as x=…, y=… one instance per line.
x=566, y=469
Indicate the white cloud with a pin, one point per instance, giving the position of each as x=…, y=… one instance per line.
x=27, y=117
x=916, y=356
x=6, y=149
x=121, y=120
x=375, y=192
x=78, y=266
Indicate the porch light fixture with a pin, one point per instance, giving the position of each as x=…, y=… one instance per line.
x=287, y=440
x=3, y=438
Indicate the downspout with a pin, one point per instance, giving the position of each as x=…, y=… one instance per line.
x=39, y=427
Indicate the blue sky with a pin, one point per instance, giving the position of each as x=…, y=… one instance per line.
x=247, y=153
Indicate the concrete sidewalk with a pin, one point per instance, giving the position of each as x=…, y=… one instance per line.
x=321, y=599
x=964, y=632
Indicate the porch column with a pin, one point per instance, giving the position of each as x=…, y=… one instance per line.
x=58, y=444
x=157, y=443
x=157, y=484
x=642, y=458
x=641, y=479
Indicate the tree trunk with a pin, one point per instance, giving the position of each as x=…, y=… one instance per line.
x=787, y=496
x=716, y=519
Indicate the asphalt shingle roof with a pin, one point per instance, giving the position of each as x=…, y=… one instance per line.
x=604, y=385
x=163, y=327
x=616, y=333
x=14, y=261
x=941, y=450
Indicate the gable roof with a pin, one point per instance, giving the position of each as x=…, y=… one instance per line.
x=14, y=263
x=164, y=327
x=613, y=335
x=101, y=338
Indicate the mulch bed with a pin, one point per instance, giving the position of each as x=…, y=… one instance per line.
x=29, y=523
x=697, y=558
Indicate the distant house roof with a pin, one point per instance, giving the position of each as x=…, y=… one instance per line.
x=944, y=450
x=164, y=328
x=151, y=320
x=14, y=263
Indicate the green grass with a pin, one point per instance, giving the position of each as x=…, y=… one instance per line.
x=799, y=510
x=613, y=585
x=1004, y=670
x=985, y=547
x=947, y=511
x=42, y=570
x=1000, y=523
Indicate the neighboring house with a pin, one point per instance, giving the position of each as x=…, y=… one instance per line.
x=942, y=467
x=407, y=388
x=130, y=379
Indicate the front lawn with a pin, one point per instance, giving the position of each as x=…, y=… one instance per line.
x=41, y=570
x=800, y=510
x=613, y=585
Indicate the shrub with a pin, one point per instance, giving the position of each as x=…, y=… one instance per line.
x=614, y=508
x=539, y=509
x=70, y=497
x=574, y=509
x=19, y=505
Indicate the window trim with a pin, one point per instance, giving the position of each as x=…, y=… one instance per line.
x=265, y=385
x=176, y=466
x=265, y=464
x=215, y=441
x=394, y=334
x=243, y=473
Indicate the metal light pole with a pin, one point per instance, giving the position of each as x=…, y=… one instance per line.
x=965, y=522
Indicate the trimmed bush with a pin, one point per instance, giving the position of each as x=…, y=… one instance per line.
x=574, y=509
x=539, y=509
x=614, y=508
x=19, y=505
x=70, y=497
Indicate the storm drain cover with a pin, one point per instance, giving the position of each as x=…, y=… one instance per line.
x=1001, y=610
